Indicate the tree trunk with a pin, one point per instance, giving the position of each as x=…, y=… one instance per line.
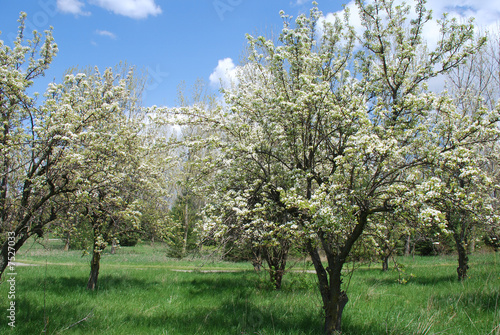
x=112, y=251
x=94, y=270
x=66, y=241
x=276, y=259
x=330, y=279
x=463, y=260
x=461, y=232
x=333, y=313
x=257, y=259
x=330, y=283
x=385, y=263
x=9, y=251
x=276, y=276
x=408, y=245
x=186, y=228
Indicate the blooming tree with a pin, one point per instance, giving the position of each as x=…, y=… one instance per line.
x=32, y=172
x=346, y=129
x=474, y=86
x=117, y=169
x=81, y=152
x=245, y=208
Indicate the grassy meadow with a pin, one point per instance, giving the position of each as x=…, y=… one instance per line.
x=141, y=291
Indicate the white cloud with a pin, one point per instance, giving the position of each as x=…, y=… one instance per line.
x=224, y=74
x=136, y=9
x=106, y=33
x=71, y=6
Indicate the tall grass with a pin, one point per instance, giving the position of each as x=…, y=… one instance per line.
x=140, y=293
x=432, y=301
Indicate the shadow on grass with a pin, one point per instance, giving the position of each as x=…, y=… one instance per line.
x=208, y=303
x=228, y=316
x=57, y=304
x=234, y=312
x=222, y=303
x=33, y=317
x=225, y=303
x=70, y=285
x=392, y=279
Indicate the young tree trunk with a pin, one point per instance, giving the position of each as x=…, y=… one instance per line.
x=66, y=241
x=461, y=231
x=276, y=259
x=186, y=228
x=385, y=262
x=408, y=245
x=94, y=270
x=97, y=248
x=276, y=276
x=112, y=251
x=463, y=260
x=257, y=259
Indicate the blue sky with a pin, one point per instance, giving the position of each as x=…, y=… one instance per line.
x=174, y=41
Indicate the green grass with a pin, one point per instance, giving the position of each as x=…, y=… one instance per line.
x=432, y=302
x=140, y=293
